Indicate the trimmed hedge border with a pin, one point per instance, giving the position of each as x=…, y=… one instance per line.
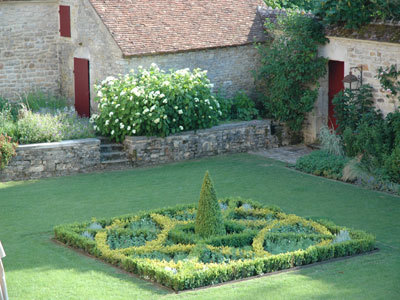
x=204, y=274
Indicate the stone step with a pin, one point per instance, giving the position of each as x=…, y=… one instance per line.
x=113, y=155
x=104, y=139
x=116, y=164
x=111, y=147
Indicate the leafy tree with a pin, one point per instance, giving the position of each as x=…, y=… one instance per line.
x=291, y=67
x=209, y=220
x=355, y=13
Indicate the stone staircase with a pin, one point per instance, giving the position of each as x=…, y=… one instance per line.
x=112, y=155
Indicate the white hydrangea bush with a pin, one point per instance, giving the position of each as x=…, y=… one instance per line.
x=155, y=103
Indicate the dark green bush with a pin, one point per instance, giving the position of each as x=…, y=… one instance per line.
x=392, y=165
x=351, y=105
x=322, y=163
x=291, y=67
x=9, y=108
x=243, y=108
x=375, y=140
x=209, y=217
x=240, y=107
x=291, y=4
x=355, y=13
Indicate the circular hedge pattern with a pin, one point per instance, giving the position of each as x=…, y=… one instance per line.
x=161, y=245
x=251, y=231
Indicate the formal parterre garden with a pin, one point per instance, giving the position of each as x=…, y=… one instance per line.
x=192, y=246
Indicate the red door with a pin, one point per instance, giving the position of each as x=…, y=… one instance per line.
x=336, y=75
x=82, y=91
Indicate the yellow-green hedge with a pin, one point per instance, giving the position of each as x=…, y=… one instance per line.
x=191, y=272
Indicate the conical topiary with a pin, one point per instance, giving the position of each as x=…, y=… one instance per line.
x=209, y=217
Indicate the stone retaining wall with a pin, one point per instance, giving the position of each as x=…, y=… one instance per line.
x=229, y=138
x=80, y=156
x=53, y=159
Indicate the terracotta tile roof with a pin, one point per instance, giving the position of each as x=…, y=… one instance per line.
x=163, y=26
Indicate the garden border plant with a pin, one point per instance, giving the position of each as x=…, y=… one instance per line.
x=161, y=245
x=290, y=69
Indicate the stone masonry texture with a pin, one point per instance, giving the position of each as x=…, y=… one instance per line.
x=229, y=68
x=28, y=48
x=223, y=139
x=354, y=53
x=33, y=56
x=80, y=156
x=53, y=159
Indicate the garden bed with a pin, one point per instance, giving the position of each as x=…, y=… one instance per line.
x=161, y=245
x=53, y=159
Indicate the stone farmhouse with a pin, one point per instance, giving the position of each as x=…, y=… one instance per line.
x=66, y=46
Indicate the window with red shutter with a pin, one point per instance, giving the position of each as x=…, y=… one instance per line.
x=65, y=21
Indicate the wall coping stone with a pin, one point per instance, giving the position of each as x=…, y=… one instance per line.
x=62, y=144
x=223, y=139
x=228, y=126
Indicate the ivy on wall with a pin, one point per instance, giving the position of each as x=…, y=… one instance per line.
x=291, y=67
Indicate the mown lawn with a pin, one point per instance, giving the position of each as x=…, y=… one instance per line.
x=37, y=268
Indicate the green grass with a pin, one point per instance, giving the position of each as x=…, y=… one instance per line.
x=36, y=268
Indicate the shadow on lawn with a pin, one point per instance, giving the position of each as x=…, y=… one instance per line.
x=41, y=254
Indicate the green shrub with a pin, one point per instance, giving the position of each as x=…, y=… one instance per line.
x=330, y=141
x=46, y=127
x=283, y=242
x=291, y=4
x=73, y=126
x=355, y=13
x=154, y=103
x=392, y=165
x=322, y=163
x=225, y=107
x=240, y=107
x=291, y=67
x=38, y=128
x=243, y=108
x=9, y=109
x=44, y=102
x=209, y=217
x=353, y=105
x=7, y=150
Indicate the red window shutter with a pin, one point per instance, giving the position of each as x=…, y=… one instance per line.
x=65, y=21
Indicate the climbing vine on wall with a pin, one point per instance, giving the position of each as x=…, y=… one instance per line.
x=291, y=67
x=389, y=78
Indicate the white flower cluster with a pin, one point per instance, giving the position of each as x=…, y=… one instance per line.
x=152, y=102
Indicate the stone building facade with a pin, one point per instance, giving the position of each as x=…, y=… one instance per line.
x=365, y=53
x=33, y=55
x=28, y=47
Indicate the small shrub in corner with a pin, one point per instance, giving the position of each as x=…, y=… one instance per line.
x=209, y=220
x=7, y=150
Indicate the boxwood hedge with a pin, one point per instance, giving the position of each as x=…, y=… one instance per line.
x=161, y=245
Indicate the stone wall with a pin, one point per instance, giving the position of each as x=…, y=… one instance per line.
x=354, y=52
x=53, y=159
x=28, y=47
x=223, y=139
x=230, y=68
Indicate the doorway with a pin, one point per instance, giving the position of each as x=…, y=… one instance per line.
x=82, y=88
x=336, y=76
